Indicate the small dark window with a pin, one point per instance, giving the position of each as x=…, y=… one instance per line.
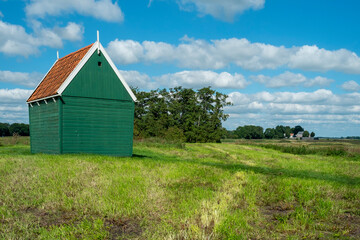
x=99, y=64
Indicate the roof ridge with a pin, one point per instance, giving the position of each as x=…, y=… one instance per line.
x=79, y=50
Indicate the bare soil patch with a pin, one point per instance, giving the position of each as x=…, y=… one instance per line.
x=121, y=227
x=350, y=222
x=46, y=218
x=277, y=213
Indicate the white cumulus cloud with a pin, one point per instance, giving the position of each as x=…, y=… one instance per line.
x=289, y=79
x=319, y=59
x=10, y=113
x=217, y=54
x=14, y=40
x=102, y=9
x=16, y=95
x=321, y=109
x=72, y=32
x=137, y=79
x=318, y=96
x=21, y=78
x=318, y=81
x=198, y=79
x=351, y=86
x=224, y=10
x=125, y=51
x=13, y=105
x=189, y=79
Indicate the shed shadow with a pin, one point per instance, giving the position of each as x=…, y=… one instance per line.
x=303, y=174
x=140, y=156
x=277, y=172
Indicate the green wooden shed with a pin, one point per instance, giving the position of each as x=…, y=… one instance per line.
x=82, y=105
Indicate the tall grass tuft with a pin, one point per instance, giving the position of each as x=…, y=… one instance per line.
x=305, y=150
x=160, y=143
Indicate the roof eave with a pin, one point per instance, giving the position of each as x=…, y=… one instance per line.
x=44, y=98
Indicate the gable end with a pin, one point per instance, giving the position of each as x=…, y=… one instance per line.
x=85, y=60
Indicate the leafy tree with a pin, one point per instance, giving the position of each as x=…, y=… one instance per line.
x=306, y=134
x=297, y=129
x=287, y=131
x=258, y=133
x=250, y=132
x=279, y=131
x=195, y=116
x=4, y=129
x=217, y=115
x=282, y=131
x=240, y=132
x=20, y=128
x=269, y=133
x=312, y=134
x=230, y=134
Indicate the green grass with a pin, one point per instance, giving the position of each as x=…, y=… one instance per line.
x=176, y=191
x=345, y=148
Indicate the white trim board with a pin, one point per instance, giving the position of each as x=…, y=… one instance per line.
x=132, y=95
x=84, y=60
x=76, y=69
x=44, y=98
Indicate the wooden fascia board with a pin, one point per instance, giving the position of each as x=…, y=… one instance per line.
x=45, y=98
x=121, y=78
x=76, y=69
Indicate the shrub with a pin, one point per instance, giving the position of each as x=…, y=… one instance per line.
x=174, y=134
x=15, y=138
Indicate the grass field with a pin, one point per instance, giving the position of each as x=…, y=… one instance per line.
x=238, y=190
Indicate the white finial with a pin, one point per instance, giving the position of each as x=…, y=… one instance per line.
x=98, y=42
x=57, y=54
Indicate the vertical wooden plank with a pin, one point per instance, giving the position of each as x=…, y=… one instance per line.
x=98, y=112
x=102, y=126
x=44, y=120
x=60, y=125
x=30, y=128
x=97, y=81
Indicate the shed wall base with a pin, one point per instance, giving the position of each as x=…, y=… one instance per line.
x=100, y=126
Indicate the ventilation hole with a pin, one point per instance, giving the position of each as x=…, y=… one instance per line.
x=99, y=64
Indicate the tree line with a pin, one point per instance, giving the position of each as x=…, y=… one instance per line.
x=180, y=114
x=185, y=115
x=7, y=129
x=257, y=132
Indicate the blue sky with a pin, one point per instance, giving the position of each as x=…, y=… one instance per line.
x=280, y=62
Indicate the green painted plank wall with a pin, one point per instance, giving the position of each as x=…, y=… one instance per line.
x=94, y=115
x=97, y=81
x=44, y=127
x=101, y=126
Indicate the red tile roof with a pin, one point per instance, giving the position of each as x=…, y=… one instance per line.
x=58, y=74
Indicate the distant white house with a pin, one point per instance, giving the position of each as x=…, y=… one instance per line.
x=299, y=134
